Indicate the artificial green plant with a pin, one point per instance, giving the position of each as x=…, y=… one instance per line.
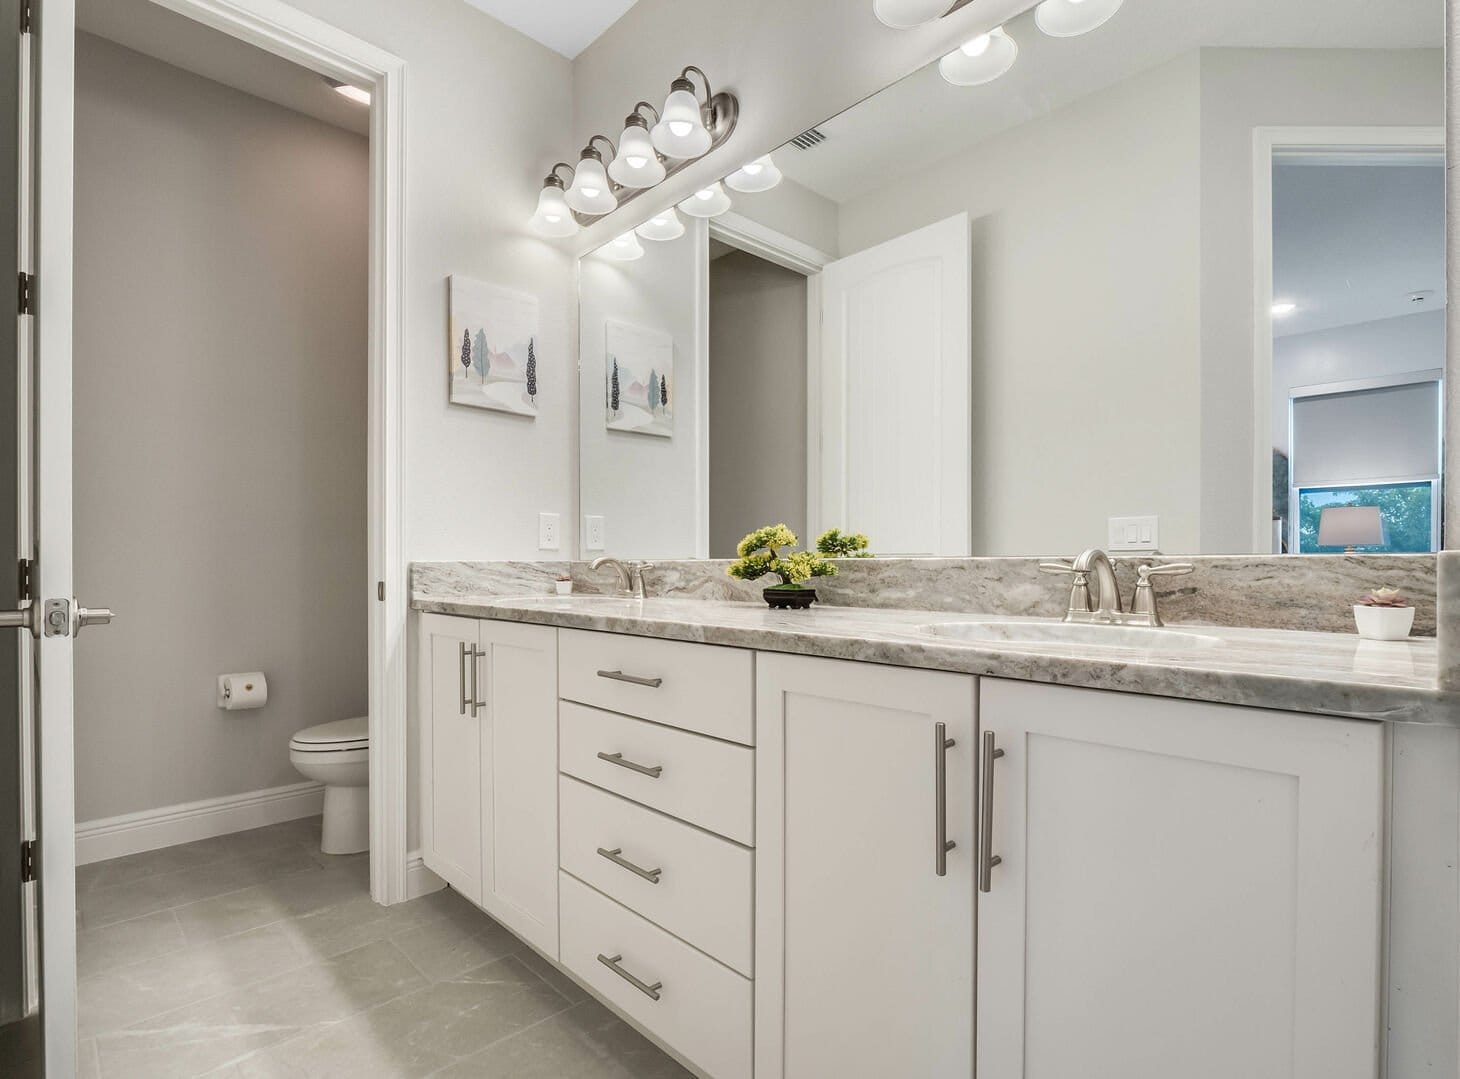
x=760, y=553
x=833, y=544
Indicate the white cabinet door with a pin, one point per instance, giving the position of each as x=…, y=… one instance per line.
x=864, y=953
x=517, y=712
x=451, y=754
x=1186, y=889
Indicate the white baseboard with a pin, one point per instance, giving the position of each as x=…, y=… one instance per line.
x=420, y=880
x=151, y=829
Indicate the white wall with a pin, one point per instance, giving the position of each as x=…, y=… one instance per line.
x=757, y=399
x=1086, y=344
x=794, y=211
x=1390, y=346
x=1242, y=89
x=220, y=426
x=649, y=490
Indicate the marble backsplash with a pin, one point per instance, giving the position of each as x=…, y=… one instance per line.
x=1310, y=592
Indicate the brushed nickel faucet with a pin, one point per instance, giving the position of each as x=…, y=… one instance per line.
x=1104, y=606
x=630, y=575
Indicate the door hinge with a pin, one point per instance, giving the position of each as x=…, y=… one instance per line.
x=27, y=15
x=27, y=861
x=26, y=293
x=23, y=575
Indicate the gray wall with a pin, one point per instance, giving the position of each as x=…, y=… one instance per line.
x=757, y=399
x=220, y=402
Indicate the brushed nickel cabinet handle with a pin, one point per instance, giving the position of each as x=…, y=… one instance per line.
x=461, y=672
x=632, y=679
x=653, y=772
x=942, y=844
x=477, y=704
x=987, y=859
x=616, y=857
x=612, y=963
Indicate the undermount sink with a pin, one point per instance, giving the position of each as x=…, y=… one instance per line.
x=1080, y=635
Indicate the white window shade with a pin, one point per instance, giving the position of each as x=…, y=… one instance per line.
x=1385, y=433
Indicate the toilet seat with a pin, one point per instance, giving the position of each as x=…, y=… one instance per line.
x=340, y=736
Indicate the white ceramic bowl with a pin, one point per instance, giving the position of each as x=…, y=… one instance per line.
x=1384, y=623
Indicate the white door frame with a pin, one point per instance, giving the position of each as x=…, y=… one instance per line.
x=1267, y=143
x=777, y=247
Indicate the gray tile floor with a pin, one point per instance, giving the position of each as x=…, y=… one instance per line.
x=254, y=954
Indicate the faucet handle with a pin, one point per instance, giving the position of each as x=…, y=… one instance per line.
x=1080, y=601
x=1143, y=603
x=1145, y=572
x=1057, y=567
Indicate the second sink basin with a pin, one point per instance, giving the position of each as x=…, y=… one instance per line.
x=1038, y=634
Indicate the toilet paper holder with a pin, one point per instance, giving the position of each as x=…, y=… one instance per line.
x=237, y=692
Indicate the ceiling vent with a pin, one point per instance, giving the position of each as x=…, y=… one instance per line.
x=807, y=139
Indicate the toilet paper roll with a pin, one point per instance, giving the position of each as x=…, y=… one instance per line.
x=237, y=692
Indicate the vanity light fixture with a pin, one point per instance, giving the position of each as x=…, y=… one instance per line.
x=554, y=217
x=758, y=175
x=662, y=226
x=591, y=192
x=1283, y=308
x=907, y=14
x=1071, y=18
x=681, y=132
x=981, y=59
x=625, y=248
x=707, y=202
x=637, y=164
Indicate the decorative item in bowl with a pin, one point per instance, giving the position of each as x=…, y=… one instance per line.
x=1384, y=615
x=564, y=586
x=760, y=554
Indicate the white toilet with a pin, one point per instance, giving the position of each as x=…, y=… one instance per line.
x=338, y=755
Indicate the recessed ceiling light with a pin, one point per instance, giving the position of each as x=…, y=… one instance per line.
x=353, y=93
x=1283, y=308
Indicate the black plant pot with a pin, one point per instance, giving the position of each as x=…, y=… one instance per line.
x=789, y=599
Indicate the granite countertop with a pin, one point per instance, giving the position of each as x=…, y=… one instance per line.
x=1323, y=673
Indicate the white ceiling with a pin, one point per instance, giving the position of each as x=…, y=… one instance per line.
x=565, y=26
x=923, y=119
x=174, y=39
x=1350, y=243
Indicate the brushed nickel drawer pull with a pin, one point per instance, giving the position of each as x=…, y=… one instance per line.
x=612, y=963
x=616, y=857
x=942, y=844
x=632, y=679
x=987, y=859
x=461, y=672
x=477, y=704
x=643, y=769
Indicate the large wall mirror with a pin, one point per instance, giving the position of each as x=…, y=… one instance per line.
x=1174, y=285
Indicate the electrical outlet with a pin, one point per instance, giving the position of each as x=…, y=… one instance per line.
x=592, y=532
x=1134, y=534
x=549, y=532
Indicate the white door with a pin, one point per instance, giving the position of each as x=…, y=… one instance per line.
x=451, y=753
x=518, y=709
x=864, y=928
x=1185, y=889
x=890, y=398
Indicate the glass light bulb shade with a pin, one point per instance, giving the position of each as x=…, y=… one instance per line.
x=636, y=164
x=553, y=217
x=662, y=226
x=590, y=192
x=625, y=248
x=680, y=132
x=906, y=14
x=984, y=64
x=758, y=175
x=1071, y=18
x=707, y=202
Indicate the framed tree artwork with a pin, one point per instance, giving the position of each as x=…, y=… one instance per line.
x=492, y=353
x=638, y=380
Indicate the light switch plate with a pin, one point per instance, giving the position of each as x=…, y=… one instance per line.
x=549, y=532
x=1134, y=534
x=592, y=532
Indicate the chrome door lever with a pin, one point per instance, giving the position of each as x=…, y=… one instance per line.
x=22, y=618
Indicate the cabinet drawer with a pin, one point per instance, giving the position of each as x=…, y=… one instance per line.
x=701, y=780
x=696, y=885
x=702, y=1010
x=699, y=687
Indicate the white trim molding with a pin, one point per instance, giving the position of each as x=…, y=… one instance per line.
x=420, y=880
x=152, y=829
x=285, y=31
x=767, y=243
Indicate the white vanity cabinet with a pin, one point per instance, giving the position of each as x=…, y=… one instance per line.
x=1184, y=889
x=489, y=822
x=864, y=933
